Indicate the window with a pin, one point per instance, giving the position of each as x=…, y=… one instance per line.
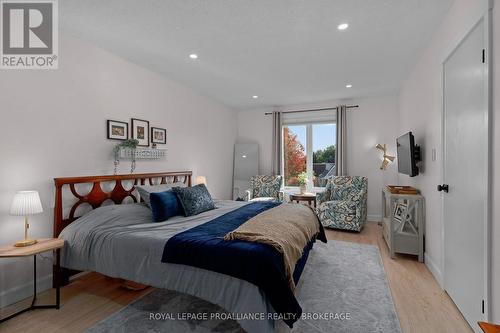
x=310, y=149
x=323, y=143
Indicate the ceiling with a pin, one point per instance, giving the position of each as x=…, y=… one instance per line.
x=285, y=51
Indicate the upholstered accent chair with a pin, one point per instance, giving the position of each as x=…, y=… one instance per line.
x=343, y=203
x=265, y=188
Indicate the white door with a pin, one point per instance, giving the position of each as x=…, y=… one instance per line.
x=466, y=174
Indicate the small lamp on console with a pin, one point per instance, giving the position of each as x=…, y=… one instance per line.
x=26, y=203
x=387, y=159
x=201, y=180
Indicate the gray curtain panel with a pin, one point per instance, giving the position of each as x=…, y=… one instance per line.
x=341, y=151
x=276, y=158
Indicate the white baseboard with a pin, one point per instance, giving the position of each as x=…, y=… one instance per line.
x=431, y=265
x=78, y=275
x=374, y=218
x=24, y=291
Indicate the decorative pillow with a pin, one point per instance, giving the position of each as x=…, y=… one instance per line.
x=146, y=190
x=164, y=205
x=194, y=200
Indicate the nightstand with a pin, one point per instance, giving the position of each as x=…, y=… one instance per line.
x=403, y=223
x=43, y=245
x=309, y=197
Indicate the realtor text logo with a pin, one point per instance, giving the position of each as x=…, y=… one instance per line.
x=29, y=37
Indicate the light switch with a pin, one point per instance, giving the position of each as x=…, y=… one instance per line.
x=433, y=154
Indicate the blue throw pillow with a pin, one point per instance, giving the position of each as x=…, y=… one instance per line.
x=194, y=200
x=164, y=205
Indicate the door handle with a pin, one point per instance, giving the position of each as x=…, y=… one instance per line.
x=443, y=187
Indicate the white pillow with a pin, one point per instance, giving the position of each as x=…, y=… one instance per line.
x=145, y=190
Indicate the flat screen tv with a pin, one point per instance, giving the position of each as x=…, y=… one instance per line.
x=408, y=155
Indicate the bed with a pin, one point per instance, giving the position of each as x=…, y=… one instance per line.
x=121, y=241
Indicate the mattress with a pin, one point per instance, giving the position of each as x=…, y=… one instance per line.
x=121, y=241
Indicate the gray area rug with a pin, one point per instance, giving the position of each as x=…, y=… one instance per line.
x=342, y=289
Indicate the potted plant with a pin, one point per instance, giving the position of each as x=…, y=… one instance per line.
x=130, y=144
x=302, y=181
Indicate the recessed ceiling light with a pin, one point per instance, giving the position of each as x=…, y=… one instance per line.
x=193, y=56
x=255, y=96
x=343, y=26
x=348, y=85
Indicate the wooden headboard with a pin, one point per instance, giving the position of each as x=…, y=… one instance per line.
x=97, y=196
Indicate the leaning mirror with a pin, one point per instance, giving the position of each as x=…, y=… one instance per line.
x=246, y=165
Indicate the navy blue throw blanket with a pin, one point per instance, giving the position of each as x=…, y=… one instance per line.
x=261, y=264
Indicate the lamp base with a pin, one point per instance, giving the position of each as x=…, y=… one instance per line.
x=26, y=242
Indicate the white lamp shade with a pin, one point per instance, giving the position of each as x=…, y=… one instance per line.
x=201, y=180
x=26, y=203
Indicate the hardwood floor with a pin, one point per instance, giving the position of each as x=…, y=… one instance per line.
x=420, y=303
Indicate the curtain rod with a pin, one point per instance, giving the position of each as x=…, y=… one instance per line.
x=322, y=109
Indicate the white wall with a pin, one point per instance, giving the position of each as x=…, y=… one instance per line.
x=53, y=125
x=255, y=127
x=420, y=106
x=375, y=121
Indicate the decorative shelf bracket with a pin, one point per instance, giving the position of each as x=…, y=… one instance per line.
x=143, y=153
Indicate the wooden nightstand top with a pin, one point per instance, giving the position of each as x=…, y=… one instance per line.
x=303, y=196
x=43, y=245
x=489, y=328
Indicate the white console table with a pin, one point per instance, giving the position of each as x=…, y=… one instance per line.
x=403, y=222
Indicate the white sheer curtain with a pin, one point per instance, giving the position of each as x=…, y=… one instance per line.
x=341, y=149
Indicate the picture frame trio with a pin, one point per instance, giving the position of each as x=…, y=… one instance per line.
x=140, y=130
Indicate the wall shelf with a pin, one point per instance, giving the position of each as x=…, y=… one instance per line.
x=143, y=153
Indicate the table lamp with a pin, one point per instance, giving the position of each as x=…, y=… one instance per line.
x=201, y=180
x=26, y=203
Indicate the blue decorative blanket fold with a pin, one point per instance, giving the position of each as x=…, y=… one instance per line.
x=261, y=264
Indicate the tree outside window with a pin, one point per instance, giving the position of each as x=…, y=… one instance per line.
x=294, y=156
x=323, y=165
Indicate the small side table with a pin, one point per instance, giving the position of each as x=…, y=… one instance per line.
x=489, y=328
x=403, y=223
x=309, y=197
x=43, y=245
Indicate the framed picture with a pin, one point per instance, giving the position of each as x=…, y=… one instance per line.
x=140, y=131
x=158, y=135
x=399, y=209
x=117, y=130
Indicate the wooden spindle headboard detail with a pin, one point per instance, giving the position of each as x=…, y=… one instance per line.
x=97, y=195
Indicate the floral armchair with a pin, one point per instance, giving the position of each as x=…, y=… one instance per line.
x=343, y=204
x=265, y=188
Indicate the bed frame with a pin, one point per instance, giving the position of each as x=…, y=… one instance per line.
x=97, y=196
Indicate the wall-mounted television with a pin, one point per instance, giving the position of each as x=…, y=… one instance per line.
x=408, y=155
